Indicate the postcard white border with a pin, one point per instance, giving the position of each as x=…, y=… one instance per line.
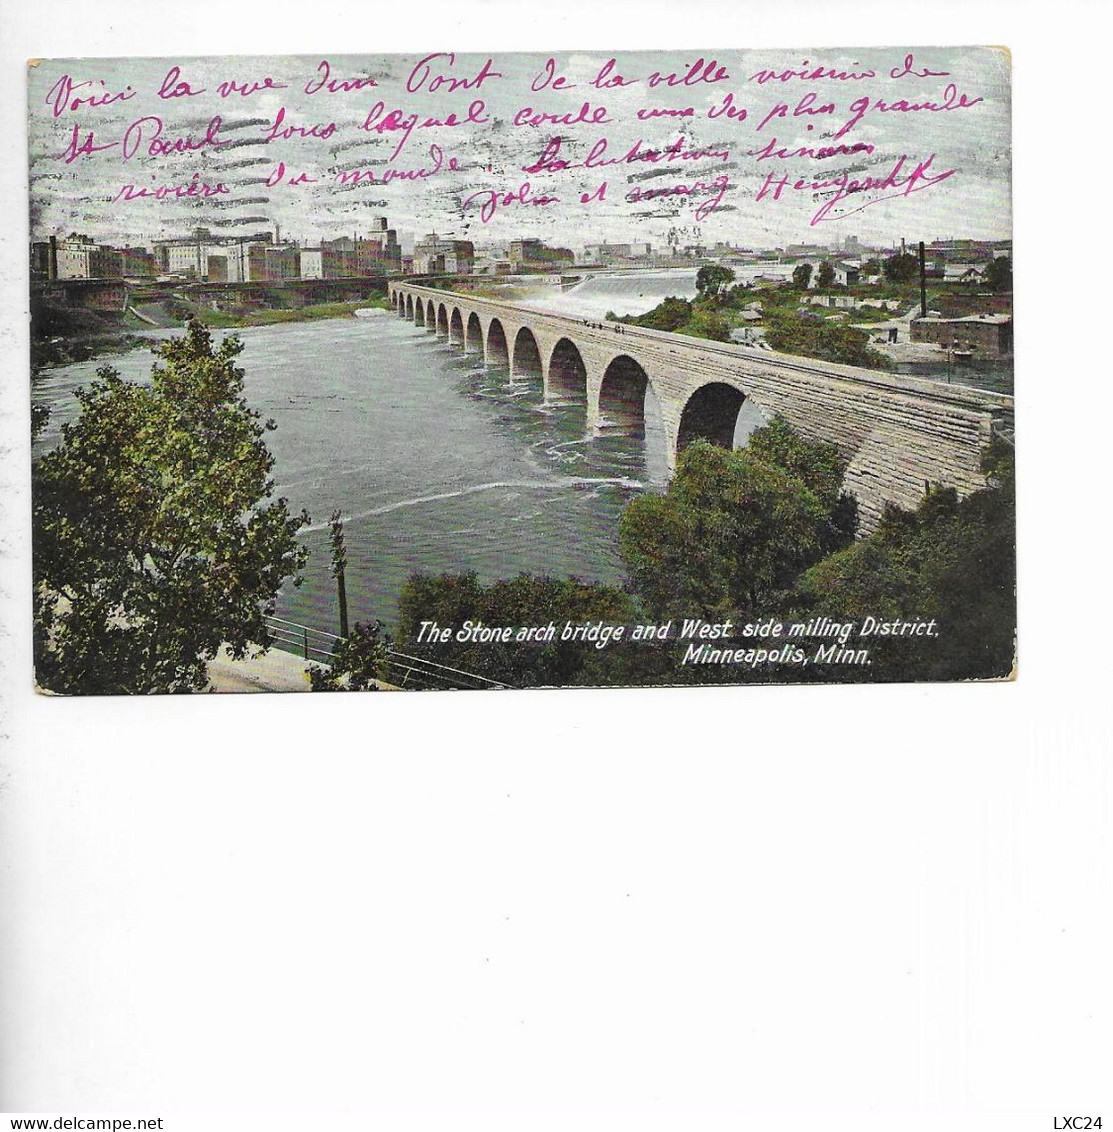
x=995, y=795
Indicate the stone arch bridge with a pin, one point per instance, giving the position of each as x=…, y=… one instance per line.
x=897, y=433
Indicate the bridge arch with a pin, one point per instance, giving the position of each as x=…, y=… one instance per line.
x=442, y=321
x=456, y=327
x=408, y=306
x=497, y=352
x=567, y=372
x=894, y=431
x=526, y=361
x=710, y=413
x=473, y=335
x=622, y=396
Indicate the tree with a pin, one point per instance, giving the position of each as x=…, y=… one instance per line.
x=706, y=323
x=818, y=466
x=358, y=661
x=901, y=268
x=712, y=280
x=999, y=274
x=739, y=296
x=526, y=601
x=950, y=560
x=802, y=276
x=153, y=540
x=810, y=336
x=669, y=314
x=825, y=277
x=40, y=418
x=735, y=528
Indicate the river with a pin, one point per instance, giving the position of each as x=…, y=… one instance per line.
x=436, y=463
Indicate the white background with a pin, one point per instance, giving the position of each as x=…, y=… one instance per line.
x=683, y=909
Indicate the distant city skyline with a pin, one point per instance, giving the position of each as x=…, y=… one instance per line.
x=264, y=257
x=409, y=240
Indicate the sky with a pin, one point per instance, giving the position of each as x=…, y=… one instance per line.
x=918, y=146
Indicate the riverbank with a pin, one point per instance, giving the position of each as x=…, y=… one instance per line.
x=65, y=337
x=64, y=351
x=270, y=316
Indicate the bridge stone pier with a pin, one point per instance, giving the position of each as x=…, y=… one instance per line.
x=897, y=433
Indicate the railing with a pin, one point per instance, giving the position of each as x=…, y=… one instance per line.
x=416, y=672
x=306, y=642
x=401, y=669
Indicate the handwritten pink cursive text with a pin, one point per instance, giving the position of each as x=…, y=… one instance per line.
x=843, y=186
x=490, y=200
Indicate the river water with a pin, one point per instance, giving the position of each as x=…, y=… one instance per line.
x=623, y=293
x=436, y=463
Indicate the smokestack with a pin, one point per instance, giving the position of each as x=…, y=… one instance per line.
x=923, y=284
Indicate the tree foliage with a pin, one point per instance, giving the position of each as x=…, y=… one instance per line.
x=706, y=323
x=825, y=277
x=816, y=465
x=952, y=560
x=700, y=319
x=999, y=274
x=810, y=336
x=40, y=418
x=669, y=314
x=735, y=528
x=802, y=276
x=154, y=541
x=713, y=279
x=527, y=600
x=359, y=661
x=901, y=268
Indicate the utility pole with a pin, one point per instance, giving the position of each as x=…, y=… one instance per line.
x=923, y=284
x=339, y=562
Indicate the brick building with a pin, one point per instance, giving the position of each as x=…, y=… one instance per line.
x=984, y=335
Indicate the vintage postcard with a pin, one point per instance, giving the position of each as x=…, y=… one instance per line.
x=485, y=371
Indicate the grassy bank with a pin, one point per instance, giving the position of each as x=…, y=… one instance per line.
x=61, y=335
x=789, y=325
x=226, y=320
